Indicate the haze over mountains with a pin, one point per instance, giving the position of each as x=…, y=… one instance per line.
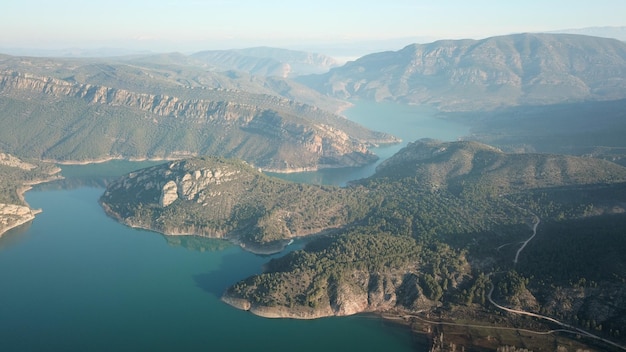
x=266, y=61
x=458, y=75
x=239, y=102
x=145, y=107
x=604, y=32
x=437, y=229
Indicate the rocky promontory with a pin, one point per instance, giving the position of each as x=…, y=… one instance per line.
x=13, y=215
x=350, y=275
x=16, y=176
x=222, y=198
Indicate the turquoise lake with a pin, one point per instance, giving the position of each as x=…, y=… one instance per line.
x=407, y=122
x=76, y=280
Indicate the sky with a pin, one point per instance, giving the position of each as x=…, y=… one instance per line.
x=194, y=25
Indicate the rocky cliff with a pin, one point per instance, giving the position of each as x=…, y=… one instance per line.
x=276, y=134
x=222, y=198
x=12, y=215
x=16, y=176
x=386, y=273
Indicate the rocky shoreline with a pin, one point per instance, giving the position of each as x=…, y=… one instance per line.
x=13, y=215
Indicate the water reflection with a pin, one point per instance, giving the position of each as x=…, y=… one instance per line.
x=341, y=176
x=410, y=123
x=98, y=175
x=198, y=243
x=237, y=265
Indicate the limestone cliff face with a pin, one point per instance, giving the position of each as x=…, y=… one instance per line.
x=11, y=161
x=357, y=273
x=16, y=176
x=224, y=198
x=161, y=105
x=359, y=291
x=184, y=180
x=12, y=215
x=272, y=133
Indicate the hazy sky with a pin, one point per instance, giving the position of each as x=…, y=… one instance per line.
x=184, y=25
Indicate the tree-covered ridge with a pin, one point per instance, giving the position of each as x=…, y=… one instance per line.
x=56, y=119
x=226, y=198
x=398, y=243
x=429, y=189
x=454, y=246
x=170, y=107
x=353, y=273
x=15, y=176
x=471, y=166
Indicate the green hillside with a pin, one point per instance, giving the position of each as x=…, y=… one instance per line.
x=49, y=118
x=433, y=230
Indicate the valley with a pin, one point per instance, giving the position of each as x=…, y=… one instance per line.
x=518, y=212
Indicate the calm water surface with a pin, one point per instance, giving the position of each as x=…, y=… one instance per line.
x=76, y=280
x=407, y=122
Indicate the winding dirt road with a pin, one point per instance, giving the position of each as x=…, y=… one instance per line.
x=537, y=221
x=569, y=328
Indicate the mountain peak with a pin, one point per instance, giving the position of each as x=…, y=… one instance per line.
x=518, y=69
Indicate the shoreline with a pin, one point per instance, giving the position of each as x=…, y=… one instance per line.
x=27, y=186
x=33, y=213
x=423, y=337
x=276, y=171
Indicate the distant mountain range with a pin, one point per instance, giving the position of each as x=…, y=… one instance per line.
x=519, y=69
x=265, y=61
x=234, y=103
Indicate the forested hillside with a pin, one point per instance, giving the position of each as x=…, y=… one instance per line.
x=438, y=225
x=168, y=106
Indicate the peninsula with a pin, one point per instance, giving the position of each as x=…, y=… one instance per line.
x=17, y=176
x=431, y=231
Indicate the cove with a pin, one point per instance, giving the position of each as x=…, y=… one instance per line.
x=408, y=122
x=76, y=280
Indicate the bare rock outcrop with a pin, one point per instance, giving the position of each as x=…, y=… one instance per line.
x=11, y=161
x=225, y=198
x=359, y=292
x=13, y=215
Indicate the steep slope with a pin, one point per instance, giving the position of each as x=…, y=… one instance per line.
x=456, y=165
x=436, y=250
x=595, y=128
x=434, y=230
x=266, y=61
x=58, y=119
x=510, y=70
x=223, y=198
x=172, y=74
x=15, y=177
